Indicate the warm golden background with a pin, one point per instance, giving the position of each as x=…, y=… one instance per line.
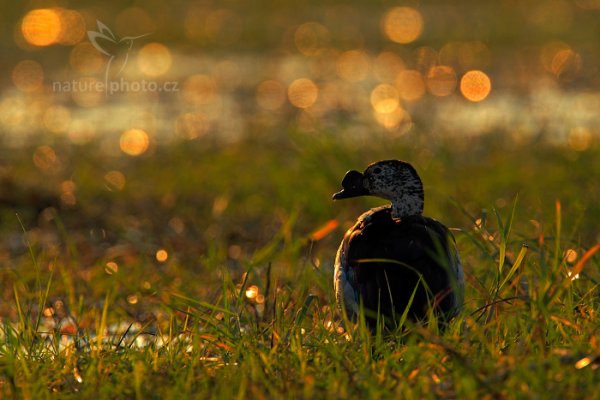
x=249, y=68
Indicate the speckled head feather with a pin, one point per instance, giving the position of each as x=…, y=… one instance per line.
x=392, y=180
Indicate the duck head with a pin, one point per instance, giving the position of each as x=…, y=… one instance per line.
x=392, y=180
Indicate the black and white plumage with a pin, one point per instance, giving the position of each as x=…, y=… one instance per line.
x=394, y=251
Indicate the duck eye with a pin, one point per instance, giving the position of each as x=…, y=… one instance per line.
x=377, y=170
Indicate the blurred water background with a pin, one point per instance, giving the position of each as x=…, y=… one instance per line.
x=133, y=75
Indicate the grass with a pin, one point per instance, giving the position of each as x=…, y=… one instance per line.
x=243, y=306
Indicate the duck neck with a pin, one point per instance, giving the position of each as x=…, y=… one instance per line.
x=407, y=204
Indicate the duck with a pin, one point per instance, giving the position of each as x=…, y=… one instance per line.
x=395, y=264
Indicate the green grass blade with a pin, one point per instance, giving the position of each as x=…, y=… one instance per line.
x=502, y=247
x=202, y=304
x=102, y=326
x=300, y=315
x=557, y=252
x=515, y=266
x=504, y=233
x=22, y=320
x=404, y=315
x=309, y=299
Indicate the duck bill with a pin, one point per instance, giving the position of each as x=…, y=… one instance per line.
x=352, y=186
x=347, y=193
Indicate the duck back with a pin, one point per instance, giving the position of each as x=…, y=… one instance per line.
x=386, y=260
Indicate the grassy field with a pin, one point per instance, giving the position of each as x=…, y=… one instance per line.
x=204, y=270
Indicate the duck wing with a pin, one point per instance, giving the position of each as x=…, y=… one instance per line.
x=386, y=261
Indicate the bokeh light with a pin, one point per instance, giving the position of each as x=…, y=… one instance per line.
x=410, y=84
x=41, y=27
x=425, y=58
x=303, y=93
x=570, y=255
x=385, y=99
x=134, y=142
x=387, y=66
x=234, y=252
x=81, y=131
x=87, y=92
x=57, y=119
x=28, y=76
x=402, y=24
x=192, y=125
x=86, y=59
x=441, y=80
x=252, y=292
x=154, y=59
x=115, y=180
x=67, y=195
x=270, y=94
x=111, y=267
x=566, y=64
x=45, y=158
x=72, y=27
x=549, y=50
x=161, y=255
x=398, y=122
x=475, y=86
x=311, y=38
x=579, y=138
x=199, y=89
x=353, y=65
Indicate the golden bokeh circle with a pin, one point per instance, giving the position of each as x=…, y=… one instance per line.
x=88, y=91
x=397, y=122
x=441, y=80
x=162, y=255
x=28, y=76
x=580, y=138
x=270, y=95
x=57, y=119
x=303, y=93
x=192, y=125
x=72, y=27
x=385, y=99
x=115, y=180
x=199, y=89
x=86, y=59
x=311, y=38
x=475, y=85
x=134, y=142
x=353, y=65
x=41, y=26
x=410, y=84
x=154, y=59
x=402, y=24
